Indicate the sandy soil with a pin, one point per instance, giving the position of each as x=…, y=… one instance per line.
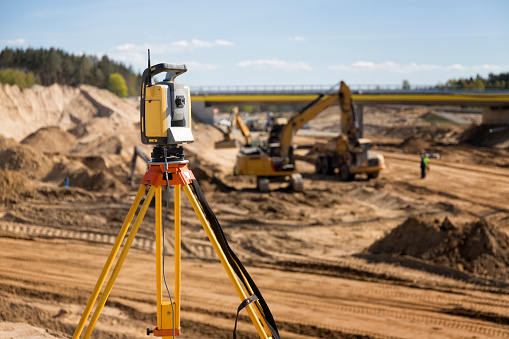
x=308, y=252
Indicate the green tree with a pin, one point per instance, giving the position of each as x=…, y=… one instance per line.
x=17, y=77
x=406, y=84
x=116, y=84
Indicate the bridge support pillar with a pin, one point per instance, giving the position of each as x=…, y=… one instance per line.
x=495, y=116
x=202, y=112
x=360, y=116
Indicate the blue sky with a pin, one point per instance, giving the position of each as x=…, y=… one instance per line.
x=276, y=42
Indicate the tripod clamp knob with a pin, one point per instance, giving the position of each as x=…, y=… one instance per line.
x=149, y=331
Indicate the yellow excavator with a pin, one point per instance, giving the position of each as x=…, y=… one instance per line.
x=228, y=140
x=348, y=153
x=273, y=160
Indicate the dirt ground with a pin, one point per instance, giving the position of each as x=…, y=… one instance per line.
x=394, y=257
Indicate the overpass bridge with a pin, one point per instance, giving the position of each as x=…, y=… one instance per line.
x=495, y=104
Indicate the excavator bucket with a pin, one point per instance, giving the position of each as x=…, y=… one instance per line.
x=226, y=144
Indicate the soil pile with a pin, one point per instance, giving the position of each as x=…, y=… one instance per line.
x=476, y=247
x=12, y=184
x=85, y=109
x=51, y=140
x=81, y=176
x=415, y=144
x=480, y=135
x=26, y=160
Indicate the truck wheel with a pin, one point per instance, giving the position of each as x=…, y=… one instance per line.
x=344, y=173
x=327, y=166
x=318, y=165
x=373, y=175
x=296, y=181
x=263, y=184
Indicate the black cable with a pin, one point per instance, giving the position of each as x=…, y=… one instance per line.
x=164, y=218
x=234, y=261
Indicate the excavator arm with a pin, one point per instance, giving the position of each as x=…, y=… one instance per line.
x=349, y=120
x=301, y=118
x=242, y=127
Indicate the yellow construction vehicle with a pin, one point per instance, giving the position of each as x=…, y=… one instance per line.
x=274, y=160
x=228, y=141
x=348, y=153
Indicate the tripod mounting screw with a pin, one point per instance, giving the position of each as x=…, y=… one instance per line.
x=149, y=331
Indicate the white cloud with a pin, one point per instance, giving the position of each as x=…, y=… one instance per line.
x=200, y=66
x=486, y=67
x=195, y=43
x=172, y=47
x=275, y=64
x=385, y=66
x=457, y=67
x=136, y=55
x=296, y=38
x=364, y=65
x=16, y=42
x=224, y=43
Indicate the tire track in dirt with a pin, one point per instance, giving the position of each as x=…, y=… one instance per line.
x=409, y=315
x=468, y=184
x=196, y=250
x=57, y=233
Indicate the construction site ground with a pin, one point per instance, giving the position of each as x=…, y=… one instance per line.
x=311, y=253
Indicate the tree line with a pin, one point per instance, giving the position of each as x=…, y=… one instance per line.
x=48, y=66
x=492, y=82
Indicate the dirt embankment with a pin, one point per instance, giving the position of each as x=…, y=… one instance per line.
x=474, y=246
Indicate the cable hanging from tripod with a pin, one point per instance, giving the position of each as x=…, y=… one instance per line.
x=162, y=226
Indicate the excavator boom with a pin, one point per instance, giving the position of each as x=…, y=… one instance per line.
x=302, y=117
x=349, y=120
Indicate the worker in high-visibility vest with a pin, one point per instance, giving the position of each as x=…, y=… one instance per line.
x=424, y=167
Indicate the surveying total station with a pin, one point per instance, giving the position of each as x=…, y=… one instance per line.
x=165, y=122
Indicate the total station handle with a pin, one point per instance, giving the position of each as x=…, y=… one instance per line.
x=174, y=70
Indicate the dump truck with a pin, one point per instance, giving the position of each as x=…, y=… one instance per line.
x=348, y=154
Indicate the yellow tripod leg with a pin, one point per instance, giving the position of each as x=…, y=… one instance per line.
x=109, y=262
x=231, y=274
x=159, y=264
x=163, y=323
x=120, y=261
x=177, y=255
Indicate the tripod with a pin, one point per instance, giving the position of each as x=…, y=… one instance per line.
x=173, y=171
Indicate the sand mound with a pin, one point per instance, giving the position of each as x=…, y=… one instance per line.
x=26, y=160
x=475, y=247
x=81, y=176
x=12, y=184
x=25, y=111
x=480, y=136
x=6, y=143
x=415, y=144
x=100, y=145
x=51, y=139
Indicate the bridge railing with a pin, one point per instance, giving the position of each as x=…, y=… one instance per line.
x=319, y=89
x=260, y=89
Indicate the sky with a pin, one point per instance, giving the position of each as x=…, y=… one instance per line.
x=276, y=42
